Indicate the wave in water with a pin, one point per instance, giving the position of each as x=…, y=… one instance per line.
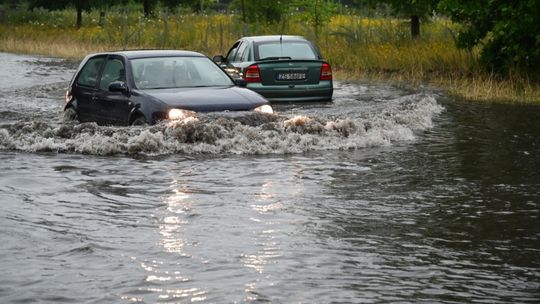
x=246, y=133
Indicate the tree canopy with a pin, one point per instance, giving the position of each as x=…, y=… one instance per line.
x=508, y=32
x=266, y=11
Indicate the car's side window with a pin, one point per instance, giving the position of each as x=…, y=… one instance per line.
x=246, y=56
x=232, y=52
x=113, y=71
x=89, y=72
x=241, y=50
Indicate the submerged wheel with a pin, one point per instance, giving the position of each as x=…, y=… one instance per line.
x=70, y=115
x=139, y=121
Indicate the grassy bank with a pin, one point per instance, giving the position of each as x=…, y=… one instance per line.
x=377, y=49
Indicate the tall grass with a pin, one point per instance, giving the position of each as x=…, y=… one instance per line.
x=357, y=47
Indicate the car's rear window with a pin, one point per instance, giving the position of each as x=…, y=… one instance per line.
x=292, y=49
x=177, y=72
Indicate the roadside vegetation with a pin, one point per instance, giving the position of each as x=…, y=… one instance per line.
x=363, y=43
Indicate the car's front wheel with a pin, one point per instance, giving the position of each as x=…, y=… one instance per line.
x=70, y=115
x=139, y=121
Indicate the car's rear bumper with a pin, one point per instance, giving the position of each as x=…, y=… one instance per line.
x=318, y=92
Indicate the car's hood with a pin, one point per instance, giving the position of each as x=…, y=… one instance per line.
x=209, y=99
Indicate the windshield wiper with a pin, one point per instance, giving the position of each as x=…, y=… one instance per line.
x=277, y=58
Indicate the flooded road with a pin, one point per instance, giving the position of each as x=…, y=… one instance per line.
x=382, y=196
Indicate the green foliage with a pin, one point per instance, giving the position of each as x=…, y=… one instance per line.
x=508, y=32
x=266, y=11
x=315, y=12
x=194, y=5
x=407, y=8
x=79, y=5
x=413, y=9
x=10, y=4
x=62, y=4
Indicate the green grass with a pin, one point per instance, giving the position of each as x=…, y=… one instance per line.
x=357, y=47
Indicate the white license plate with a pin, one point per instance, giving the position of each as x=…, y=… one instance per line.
x=291, y=76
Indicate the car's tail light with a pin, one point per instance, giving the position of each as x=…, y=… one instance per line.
x=252, y=74
x=326, y=72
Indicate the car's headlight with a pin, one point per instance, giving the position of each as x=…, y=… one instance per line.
x=67, y=96
x=233, y=72
x=264, y=109
x=179, y=114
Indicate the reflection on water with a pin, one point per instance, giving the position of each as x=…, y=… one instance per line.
x=382, y=196
x=170, y=229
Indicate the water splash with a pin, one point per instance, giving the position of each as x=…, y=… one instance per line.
x=247, y=133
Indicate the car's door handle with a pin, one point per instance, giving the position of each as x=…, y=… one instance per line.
x=94, y=98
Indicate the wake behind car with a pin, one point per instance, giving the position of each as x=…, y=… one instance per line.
x=281, y=68
x=146, y=86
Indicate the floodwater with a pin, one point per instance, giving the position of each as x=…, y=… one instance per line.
x=382, y=196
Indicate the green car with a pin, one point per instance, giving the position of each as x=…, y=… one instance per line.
x=280, y=68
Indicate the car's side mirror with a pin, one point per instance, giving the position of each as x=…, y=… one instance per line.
x=240, y=82
x=118, y=86
x=219, y=59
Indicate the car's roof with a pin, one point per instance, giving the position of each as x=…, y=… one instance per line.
x=274, y=38
x=151, y=53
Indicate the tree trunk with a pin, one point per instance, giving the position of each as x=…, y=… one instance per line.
x=244, y=20
x=415, y=26
x=316, y=21
x=147, y=8
x=79, y=17
x=101, y=18
x=243, y=12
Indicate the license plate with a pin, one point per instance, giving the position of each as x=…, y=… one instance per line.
x=291, y=76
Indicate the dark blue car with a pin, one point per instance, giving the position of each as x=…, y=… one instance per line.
x=144, y=87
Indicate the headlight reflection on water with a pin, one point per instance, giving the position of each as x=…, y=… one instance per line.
x=163, y=278
x=265, y=222
x=195, y=294
x=265, y=206
x=171, y=226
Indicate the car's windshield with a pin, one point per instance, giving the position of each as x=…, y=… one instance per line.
x=177, y=72
x=290, y=49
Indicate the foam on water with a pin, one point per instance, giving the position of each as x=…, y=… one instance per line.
x=251, y=133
